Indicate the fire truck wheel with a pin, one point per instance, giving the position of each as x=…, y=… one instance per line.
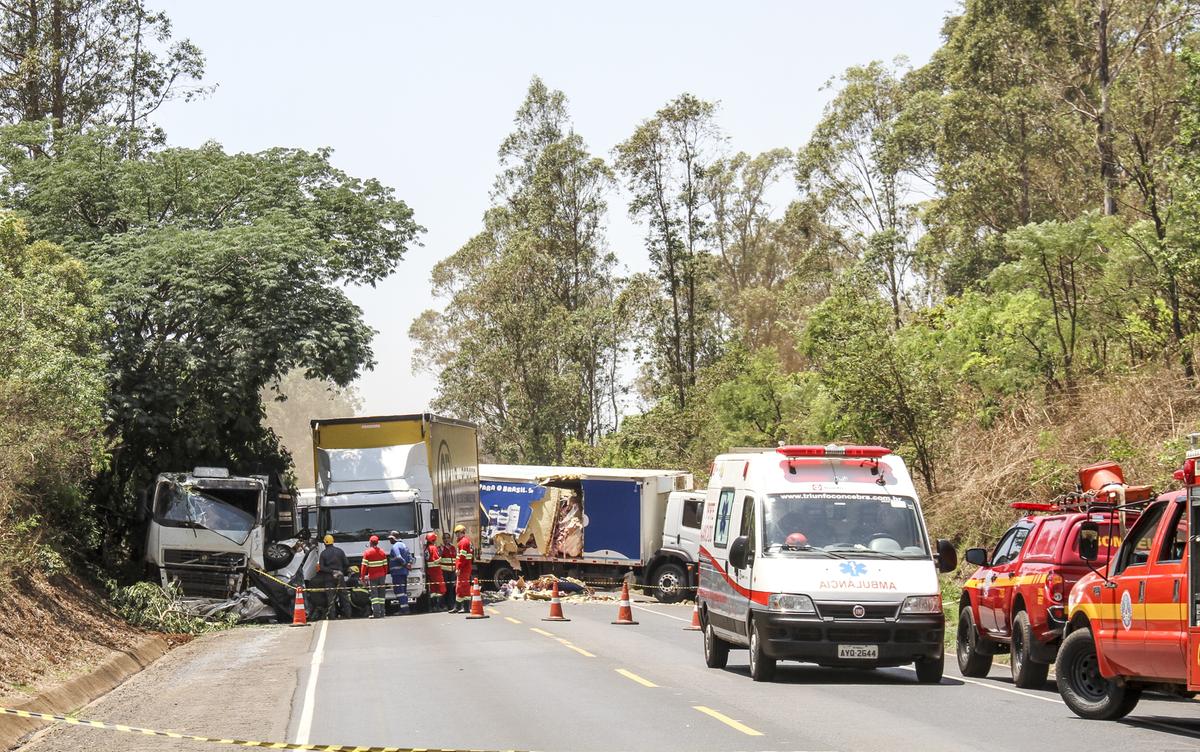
x=971, y=662
x=930, y=670
x=1085, y=691
x=762, y=667
x=716, y=650
x=1026, y=672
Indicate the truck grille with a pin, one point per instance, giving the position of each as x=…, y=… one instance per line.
x=845, y=610
x=220, y=560
x=199, y=583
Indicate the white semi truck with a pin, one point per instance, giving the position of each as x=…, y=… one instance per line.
x=597, y=524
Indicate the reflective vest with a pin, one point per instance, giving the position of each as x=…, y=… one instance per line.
x=446, y=562
x=465, y=553
x=374, y=563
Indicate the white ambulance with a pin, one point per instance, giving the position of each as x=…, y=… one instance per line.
x=820, y=554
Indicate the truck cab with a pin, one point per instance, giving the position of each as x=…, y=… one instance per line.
x=1130, y=626
x=820, y=554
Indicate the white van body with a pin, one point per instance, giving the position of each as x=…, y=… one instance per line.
x=838, y=568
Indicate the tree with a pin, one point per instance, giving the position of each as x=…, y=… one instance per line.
x=220, y=274
x=530, y=338
x=91, y=62
x=664, y=164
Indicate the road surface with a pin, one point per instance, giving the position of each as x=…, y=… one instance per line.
x=516, y=682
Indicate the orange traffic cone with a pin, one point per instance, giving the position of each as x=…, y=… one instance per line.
x=299, y=615
x=695, y=625
x=556, y=612
x=476, y=602
x=625, y=612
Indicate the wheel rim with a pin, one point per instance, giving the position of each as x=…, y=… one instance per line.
x=708, y=643
x=753, y=650
x=668, y=583
x=1086, y=677
x=964, y=641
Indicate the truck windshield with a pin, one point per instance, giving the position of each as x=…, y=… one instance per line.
x=221, y=510
x=361, y=522
x=856, y=524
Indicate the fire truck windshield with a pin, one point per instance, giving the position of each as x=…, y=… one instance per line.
x=832, y=523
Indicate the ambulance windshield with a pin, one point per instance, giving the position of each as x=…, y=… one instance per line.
x=888, y=526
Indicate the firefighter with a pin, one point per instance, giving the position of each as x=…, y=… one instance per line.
x=334, y=566
x=463, y=559
x=399, y=559
x=447, y=564
x=360, y=599
x=433, y=573
x=374, y=573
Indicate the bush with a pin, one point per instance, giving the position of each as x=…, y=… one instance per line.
x=149, y=606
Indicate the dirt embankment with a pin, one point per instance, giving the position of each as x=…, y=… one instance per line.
x=52, y=629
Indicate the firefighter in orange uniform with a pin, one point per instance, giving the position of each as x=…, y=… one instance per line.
x=374, y=574
x=433, y=573
x=463, y=560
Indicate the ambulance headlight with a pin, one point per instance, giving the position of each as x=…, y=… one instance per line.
x=796, y=604
x=922, y=604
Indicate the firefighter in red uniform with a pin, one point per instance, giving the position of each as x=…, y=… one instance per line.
x=463, y=560
x=374, y=575
x=433, y=572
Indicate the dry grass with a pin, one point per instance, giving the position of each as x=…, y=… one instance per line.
x=1032, y=453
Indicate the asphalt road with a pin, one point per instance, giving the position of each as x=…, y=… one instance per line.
x=516, y=682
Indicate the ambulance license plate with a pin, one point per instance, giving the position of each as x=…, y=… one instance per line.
x=858, y=651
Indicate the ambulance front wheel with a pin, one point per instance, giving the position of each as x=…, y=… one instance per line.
x=1083, y=688
x=716, y=650
x=930, y=669
x=762, y=666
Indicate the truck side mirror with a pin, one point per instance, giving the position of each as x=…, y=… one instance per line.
x=435, y=519
x=738, y=551
x=977, y=556
x=947, y=556
x=1089, y=541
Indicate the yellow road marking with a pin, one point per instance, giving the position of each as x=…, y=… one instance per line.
x=493, y=612
x=728, y=721
x=542, y=632
x=514, y=621
x=636, y=678
x=576, y=648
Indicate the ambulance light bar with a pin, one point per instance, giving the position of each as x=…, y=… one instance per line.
x=833, y=450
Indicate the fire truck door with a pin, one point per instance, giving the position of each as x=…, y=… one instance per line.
x=1165, y=607
x=1192, y=563
x=1124, y=612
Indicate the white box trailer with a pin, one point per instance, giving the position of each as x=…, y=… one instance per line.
x=596, y=524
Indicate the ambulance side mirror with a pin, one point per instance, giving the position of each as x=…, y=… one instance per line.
x=737, y=552
x=946, y=555
x=977, y=556
x=1089, y=541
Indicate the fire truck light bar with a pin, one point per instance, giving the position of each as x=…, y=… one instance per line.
x=833, y=450
x=1034, y=506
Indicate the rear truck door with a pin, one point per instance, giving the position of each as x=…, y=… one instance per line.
x=1166, y=635
x=1124, y=600
x=1191, y=561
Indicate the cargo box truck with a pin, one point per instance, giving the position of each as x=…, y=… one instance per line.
x=596, y=524
x=414, y=474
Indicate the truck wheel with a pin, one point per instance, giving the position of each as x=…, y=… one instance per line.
x=669, y=580
x=762, y=667
x=1083, y=688
x=1026, y=672
x=930, y=670
x=971, y=660
x=501, y=575
x=716, y=650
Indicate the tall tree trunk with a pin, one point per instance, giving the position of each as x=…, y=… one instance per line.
x=58, y=63
x=1104, y=134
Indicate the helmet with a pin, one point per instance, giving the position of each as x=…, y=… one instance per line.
x=354, y=569
x=374, y=539
x=328, y=540
x=797, y=539
x=460, y=528
x=432, y=537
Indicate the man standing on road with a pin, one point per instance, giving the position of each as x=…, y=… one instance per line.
x=374, y=573
x=399, y=559
x=334, y=565
x=464, y=558
x=433, y=572
x=447, y=562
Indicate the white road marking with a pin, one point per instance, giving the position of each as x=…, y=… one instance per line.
x=310, y=692
x=660, y=613
x=989, y=685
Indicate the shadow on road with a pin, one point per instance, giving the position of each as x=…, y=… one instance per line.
x=803, y=673
x=1185, y=727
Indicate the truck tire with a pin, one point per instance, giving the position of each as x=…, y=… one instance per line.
x=971, y=660
x=930, y=670
x=277, y=556
x=669, y=581
x=501, y=574
x=762, y=667
x=1026, y=672
x=1085, y=691
x=716, y=650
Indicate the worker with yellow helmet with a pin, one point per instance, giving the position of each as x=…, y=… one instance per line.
x=463, y=560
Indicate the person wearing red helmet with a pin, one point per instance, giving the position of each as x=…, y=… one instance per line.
x=433, y=572
x=374, y=574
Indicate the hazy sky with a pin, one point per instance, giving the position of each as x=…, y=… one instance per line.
x=420, y=96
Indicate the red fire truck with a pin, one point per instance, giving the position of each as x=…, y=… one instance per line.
x=1135, y=623
x=1015, y=602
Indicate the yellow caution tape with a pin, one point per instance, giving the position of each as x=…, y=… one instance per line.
x=228, y=742
x=605, y=584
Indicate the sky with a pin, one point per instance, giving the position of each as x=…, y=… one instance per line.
x=420, y=95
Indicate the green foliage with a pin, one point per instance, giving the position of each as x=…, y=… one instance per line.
x=149, y=606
